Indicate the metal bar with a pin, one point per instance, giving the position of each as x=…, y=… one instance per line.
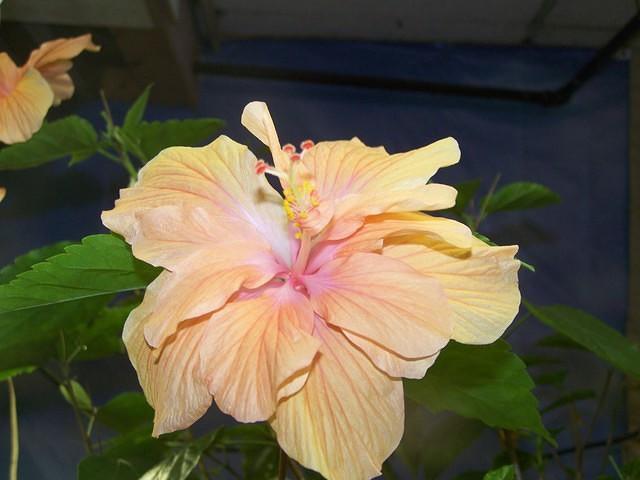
x=541, y=97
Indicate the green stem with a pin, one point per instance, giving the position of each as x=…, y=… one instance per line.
x=86, y=441
x=282, y=465
x=482, y=214
x=15, y=439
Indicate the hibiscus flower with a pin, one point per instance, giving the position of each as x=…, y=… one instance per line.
x=27, y=92
x=304, y=311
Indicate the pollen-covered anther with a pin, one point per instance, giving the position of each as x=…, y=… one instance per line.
x=299, y=201
x=289, y=149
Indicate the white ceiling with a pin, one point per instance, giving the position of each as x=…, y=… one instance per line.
x=568, y=22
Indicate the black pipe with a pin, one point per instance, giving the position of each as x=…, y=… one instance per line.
x=541, y=97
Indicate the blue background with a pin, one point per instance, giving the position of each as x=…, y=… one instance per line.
x=579, y=247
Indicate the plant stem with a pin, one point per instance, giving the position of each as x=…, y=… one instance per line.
x=295, y=469
x=86, y=441
x=15, y=439
x=601, y=401
x=482, y=213
x=282, y=465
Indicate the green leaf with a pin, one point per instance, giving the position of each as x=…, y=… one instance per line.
x=127, y=457
x=15, y=372
x=156, y=136
x=569, y=398
x=80, y=395
x=506, y=472
x=181, y=463
x=102, y=337
x=64, y=294
x=520, y=196
x=466, y=192
x=592, y=334
x=71, y=136
x=551, y=378
x=126, y=412
x=557, y=340
x=135, y=114
x=257, y=445
x=26, y=261
x=631, y=470
x=489, y=383
x=417, y=448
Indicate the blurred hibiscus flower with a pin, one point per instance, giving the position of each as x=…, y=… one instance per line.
x=305, y=311
x=27, y=92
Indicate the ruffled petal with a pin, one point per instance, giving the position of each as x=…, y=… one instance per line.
x=200, y=288
x=171, y=376
x=255, y=347
x=52, y=59
x=348, y=418
x=384, y=301
x=390, y=362
x=25, y=99
x=215, y=190
x=481, y=284
x=371, y=236
x=363, y=181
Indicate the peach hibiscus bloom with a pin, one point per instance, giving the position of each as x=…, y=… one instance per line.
x=27, y=92
x=305, y=311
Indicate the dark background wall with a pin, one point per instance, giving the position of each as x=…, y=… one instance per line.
x=579, y=247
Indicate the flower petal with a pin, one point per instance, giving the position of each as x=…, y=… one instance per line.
x=348, y=418
x=218, y=179
x=257, y=119
x=254, y=347
x=25, y=98
x=199, y=288
x=383, y=300
x=481, y=285
x=389, y=362
x=52, y=60
x=349, y=167
x=171, y=376
x=3, y=193
x=371, y=236
x=363, y=181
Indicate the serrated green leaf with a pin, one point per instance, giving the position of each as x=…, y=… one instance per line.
x=28, y=260
x=568, y=398
x=64, y=294
x=75, y=393
x=593, y=334
x=135, y=114
x=6, y=374
x=70, y=137
x=506, y=472
x=520, y=196
x=126, y=412
x=489, y=383
x=154, y=137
